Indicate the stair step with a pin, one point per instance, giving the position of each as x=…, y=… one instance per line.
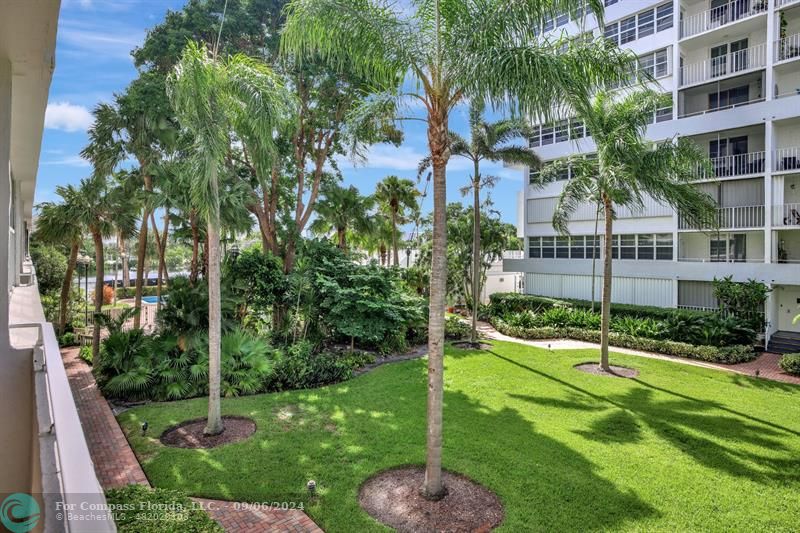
x=786, y=335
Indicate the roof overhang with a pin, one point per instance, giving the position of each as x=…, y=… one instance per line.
x=28, y=41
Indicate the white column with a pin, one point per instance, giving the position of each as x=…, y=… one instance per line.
x=5, y=197
x=769, y=144
x=772, y=22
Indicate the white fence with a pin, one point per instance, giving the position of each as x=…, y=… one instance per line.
x=721, y=16
x=732, y=63
x=788, y=47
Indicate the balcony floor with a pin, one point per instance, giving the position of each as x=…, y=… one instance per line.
x=24, y=308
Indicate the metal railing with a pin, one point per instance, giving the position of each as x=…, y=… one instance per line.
x=736, y=62
x=739, y=217
x=781, y=3
x=787, y=48
x=786, y=159
x=719, y=260
x=734, y=165
x=721, y=108
x=720, y=16
x=786, y=215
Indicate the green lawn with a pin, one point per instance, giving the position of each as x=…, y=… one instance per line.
x=680, y=448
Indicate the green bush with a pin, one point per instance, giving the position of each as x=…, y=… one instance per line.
x=147, y=290
x=67, y=339
x=298, y=367
x=135, y=505
x=51, y=267
x=85, y=353
x=790, y=363
x=725, y=354
x=455, y=328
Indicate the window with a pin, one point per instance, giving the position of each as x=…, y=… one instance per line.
x=596, y=247
x=661, y=63
x=664, y=16
x=562, y=247
x=611, y=32
x=548, y=25
x=646, y=246
x=562, y=19
x=646, y=22
x=627, y=30
x=576, y=129
x=534, y=247
x=664, y=246
x=536, y=137
x=576, y=250
x=615, y=247
x=562, y=131
x=547, y=135
x=627, y=246
x=664, y=114
x=729, y=97
x=548, y=250
x=610, y=2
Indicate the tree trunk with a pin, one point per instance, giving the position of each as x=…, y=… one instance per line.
x=126, y=275
x=438, y=142
x=594, y=251
x=214, y=424
x=162, y=259
x=98, y=292
x=195, y=249
x=476, y=254
x=66, y=287
x=341, y=238
x=141, y=255
x=606, y=305
x=394, y=236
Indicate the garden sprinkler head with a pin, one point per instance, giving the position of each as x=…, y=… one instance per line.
x=144, y=427
x=549, y=347
x=311, y=486
x=758, y=372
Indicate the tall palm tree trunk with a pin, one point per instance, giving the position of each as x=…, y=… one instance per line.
x=438, y=140
x=98, y=291
x=126, y=275
x=476, y=254
x=66, y=287
x=141, y=256
x=606, y=305
x=394, y=236
x=193, y=266
x=214, y=424
x=594, y=250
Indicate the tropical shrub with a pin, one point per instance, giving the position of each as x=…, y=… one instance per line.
x=130, y=292
x=455, y=328
x=135, y=504
x=790, y=363
x=85, y=353
x=51, y=267
x=716, y=354
x=67, y=339
x=186, y=310
x=108, y=295
x=744, y=300
x=298, y=367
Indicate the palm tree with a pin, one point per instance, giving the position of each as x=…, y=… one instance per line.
x=103, y=209
x=398, y=196
x=489, y=141
x=627, y=170
x=453, y=50
x=211, y=98
x=57, y=224
x=342, y=210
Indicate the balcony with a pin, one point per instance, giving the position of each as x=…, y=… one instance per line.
x=786, y=159
x=728, y=166
x=788, y=48
x=720, y=16
x=738, y=247
x=734, y=63
x=739, y=217
x=786, y=215
x=782, y=3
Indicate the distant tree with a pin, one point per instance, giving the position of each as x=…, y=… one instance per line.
x=342, y=210
x=398, y=197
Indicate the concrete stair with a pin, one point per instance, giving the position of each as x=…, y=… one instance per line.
x=784, y=342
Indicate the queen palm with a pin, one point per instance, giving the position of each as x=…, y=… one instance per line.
x=211, y=99
x=399, y=198
x=58, y=223
x=627, y=170
x=451, y=50
x=342, y=210
x=104, y=210
x=489, y=141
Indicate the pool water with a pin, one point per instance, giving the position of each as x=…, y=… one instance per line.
x=151, y=299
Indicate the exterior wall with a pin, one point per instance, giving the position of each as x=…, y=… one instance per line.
x=6, y=267
x=626, y=290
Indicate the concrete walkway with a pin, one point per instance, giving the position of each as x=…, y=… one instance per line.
x=766, y=366
x=116, y=465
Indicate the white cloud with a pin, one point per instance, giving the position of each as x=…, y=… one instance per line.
x=69, y=161
x=86, y=3
x=390, y=157
x=111, y=41
x=67, y=117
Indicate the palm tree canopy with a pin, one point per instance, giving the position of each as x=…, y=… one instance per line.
x=628, y=168
x=100, y=206
x=462, y=49
x=398, y=194
x=342, y=209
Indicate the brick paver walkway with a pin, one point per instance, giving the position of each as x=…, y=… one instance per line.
x=766, y=364
x=116, y=465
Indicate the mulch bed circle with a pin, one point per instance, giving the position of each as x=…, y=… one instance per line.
x=392, y=497
x=466, y=345
x=189, y=434
x=616, y=371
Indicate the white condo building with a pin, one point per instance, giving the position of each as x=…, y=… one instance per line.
x=733, y=70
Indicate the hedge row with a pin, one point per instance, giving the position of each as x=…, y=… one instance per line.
x=130, y=292
x=790, y=363
x=712, y=354
x=502, y=303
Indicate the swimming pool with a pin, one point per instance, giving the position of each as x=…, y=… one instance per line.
x=151, y=299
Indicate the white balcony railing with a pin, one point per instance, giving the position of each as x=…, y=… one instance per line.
x=740, y=217
x=786, y=159
x=734, y=165
x=736, y=62
x=781, y=3
x=787, y=48
x=786, y=215
x=721, y=16
x=684, y=113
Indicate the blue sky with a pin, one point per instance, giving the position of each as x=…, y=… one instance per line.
x=93, y=62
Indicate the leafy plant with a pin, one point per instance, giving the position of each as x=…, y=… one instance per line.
x=455, y=328
x=790, y=363
x=181, y=515
x=744, y=300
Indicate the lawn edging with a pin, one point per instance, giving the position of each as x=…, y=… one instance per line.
x=712, y=354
